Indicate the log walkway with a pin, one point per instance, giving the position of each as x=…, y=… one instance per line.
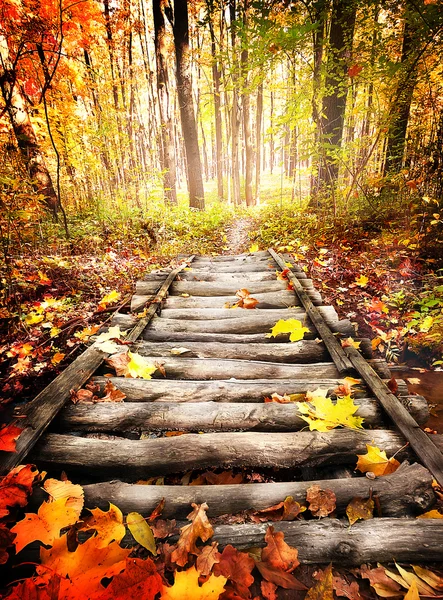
x=217, y=366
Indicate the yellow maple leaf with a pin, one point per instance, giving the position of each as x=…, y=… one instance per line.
x=33, y=318
x=253, y=248
x=108, y=525
x=112, y=333
x=376, y=461
x=346, y=343
x=109, y=299
x=138, y=366
x=186, y=587
x=58, y=357
x=431, y=514
x=292, y=326
x=86, y=333
x=362, y=281
x=54, y=331
x=322, y=414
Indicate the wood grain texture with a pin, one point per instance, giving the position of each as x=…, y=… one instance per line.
x=271, y=316
x=407, y=492
x=155, y=457
x=283, y=299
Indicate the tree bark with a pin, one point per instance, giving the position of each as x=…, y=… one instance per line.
x=167, y=150
x=186, y=104
x=258, y=135
x=24, y=131
x=245, y=95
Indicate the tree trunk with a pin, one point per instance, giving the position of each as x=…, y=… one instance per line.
x=235, y=166
x=184, y=92
x=167, y=152
x=334, y=101
x=401, y=108
x=24, y=131
x=247, y=136
x=258, y=129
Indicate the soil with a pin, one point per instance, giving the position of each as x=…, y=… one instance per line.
x=237, y=236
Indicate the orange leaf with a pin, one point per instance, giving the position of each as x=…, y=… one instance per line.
x=360, y=508
x=277, y=553
x=16, y=486
x=65, y=489
x=108, y=525
x=323, y=589
x=8, y=436
x=382, y=584
x=279, y=577
x=199, y=527
x=112, y=394
x=268, y=590
x=208, y=558
x=139, y=580
x=186, y=587
x=237, y=567
x=287, y=510
x=6, y=540
x=376, y=461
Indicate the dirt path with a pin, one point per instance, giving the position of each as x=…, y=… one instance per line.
x=237, y=234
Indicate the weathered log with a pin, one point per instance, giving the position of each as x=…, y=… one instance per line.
x=138, y=302
x=155, y=457
x=206, y=416
x=271, y=315
x=259, y=254
x=266, y=300
x=169, y=390
x=306, y=351
x=328, y=540
x=262, y=267
x=197, y=275
x=406, y=492
x=215, y=288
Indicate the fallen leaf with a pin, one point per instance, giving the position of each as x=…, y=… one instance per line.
x=321, y=502
x=362, y=281
x=141, y=532
x=65, y=489
x=139, y=579
x=112, y=394
x=382, y=584
x=109, y=299
x=323, y=589
x=178, y=351
x=186, y=587
x=8, y=436
x=199, y=527
x=286, y=398
x=344, y=589
x=57, y=358
x=412, y=593
x=6, y=541
x=131, y=364
x=322, y=414
x=107, y=524
x=287, y=510
x=376, y=461
x=411, y=579
x=207, y=559
x=16, y=486
x=292, y=326
x=277, y=553
x=268, y=590
x=236, y=566
x=431, y=578
x=254, y=248
x=279, y=577
x=360, y=508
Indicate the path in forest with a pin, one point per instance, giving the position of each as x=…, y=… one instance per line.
x=238, y=236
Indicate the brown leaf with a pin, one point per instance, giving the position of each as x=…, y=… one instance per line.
x=85, y=396
x=277, y=553
x=321, y=502
x=393, y=385
x=163, y=528
x=112, y=394
x=237, y=567
x=346, y=590
x=199, y=527
x=322, y=590
x=223, y=478
x=287, y=510
x=382, y=584
x=157, y=511
x=268, y=590
x=279, y=577
x=120, y=363
x=249, y=302
x=208, y=558
x=360, y=508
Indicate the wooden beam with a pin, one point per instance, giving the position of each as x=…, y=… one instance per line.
x=39, y=413
x=337, y=353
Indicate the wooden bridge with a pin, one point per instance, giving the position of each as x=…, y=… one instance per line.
x=218, y=366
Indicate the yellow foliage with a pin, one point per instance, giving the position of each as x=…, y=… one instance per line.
x=322, y=414
x=292, y=326
x=376, y=461
x=186, y=587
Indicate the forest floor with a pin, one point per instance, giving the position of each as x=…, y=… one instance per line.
x=237, y=235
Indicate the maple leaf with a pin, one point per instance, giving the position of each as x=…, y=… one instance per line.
x=6, y=540
x=323, y=589
x=65, y=489
x=254, y=248
x=8, y=436
x=321, y=502
x=207, y=559
x=322, y=414
x=268, y=590
x=112, y=394
x=199, y=527
x=85, y=567
x=45, y=526
x=186, y=587
x=376, y=461
x=131, y=364
x=350, y=342
x=292, y=326
x=378, y=306
x=109, y=299
x=16, y=486
x=354, y=70
x=362, y=281
x=245, y=300
x=382, y=584
x=108, y=525
x=236, y=566
x=360, y=508
x=287, y=510
x=345, y=388
x=86, y=333
x=57, y=358
x=138, y=580
x=141, y=532
x=344, y=589
x=33, y=318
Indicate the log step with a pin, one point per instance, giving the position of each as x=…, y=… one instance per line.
x=212, y=368
x=245, y=391
x=155, y=457
x=271, y=316
x=407, y=492
x=297, y=352
x=218, y=288
x=209, y=416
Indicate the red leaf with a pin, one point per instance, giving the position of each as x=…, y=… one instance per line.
x=237, y=567
x=8, y=436
x=355, y=70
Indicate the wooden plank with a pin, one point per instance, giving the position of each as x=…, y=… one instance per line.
x=407, y=492
x=160, y=456
x=427, y=452
x=207, y=416
x=337, y=353
x=271, y=315
x=44, y=407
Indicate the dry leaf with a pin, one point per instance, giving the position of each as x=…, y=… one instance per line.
x=360, y=508
x=199, y=527
x=321, y=502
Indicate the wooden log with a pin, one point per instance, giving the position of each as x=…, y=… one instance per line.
x=160, y=456
x=266, y=300
x=168, y=390
x=264, y=267
x=215, y=288
x=333, y=541
x=204, y=416
x=227, y=277
x=272, y=314
x=296, y=352
x=338, y=355
x=426, y=450
x=260, y=254
x=138, y=302
x=406, y=492
x=215, y=368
